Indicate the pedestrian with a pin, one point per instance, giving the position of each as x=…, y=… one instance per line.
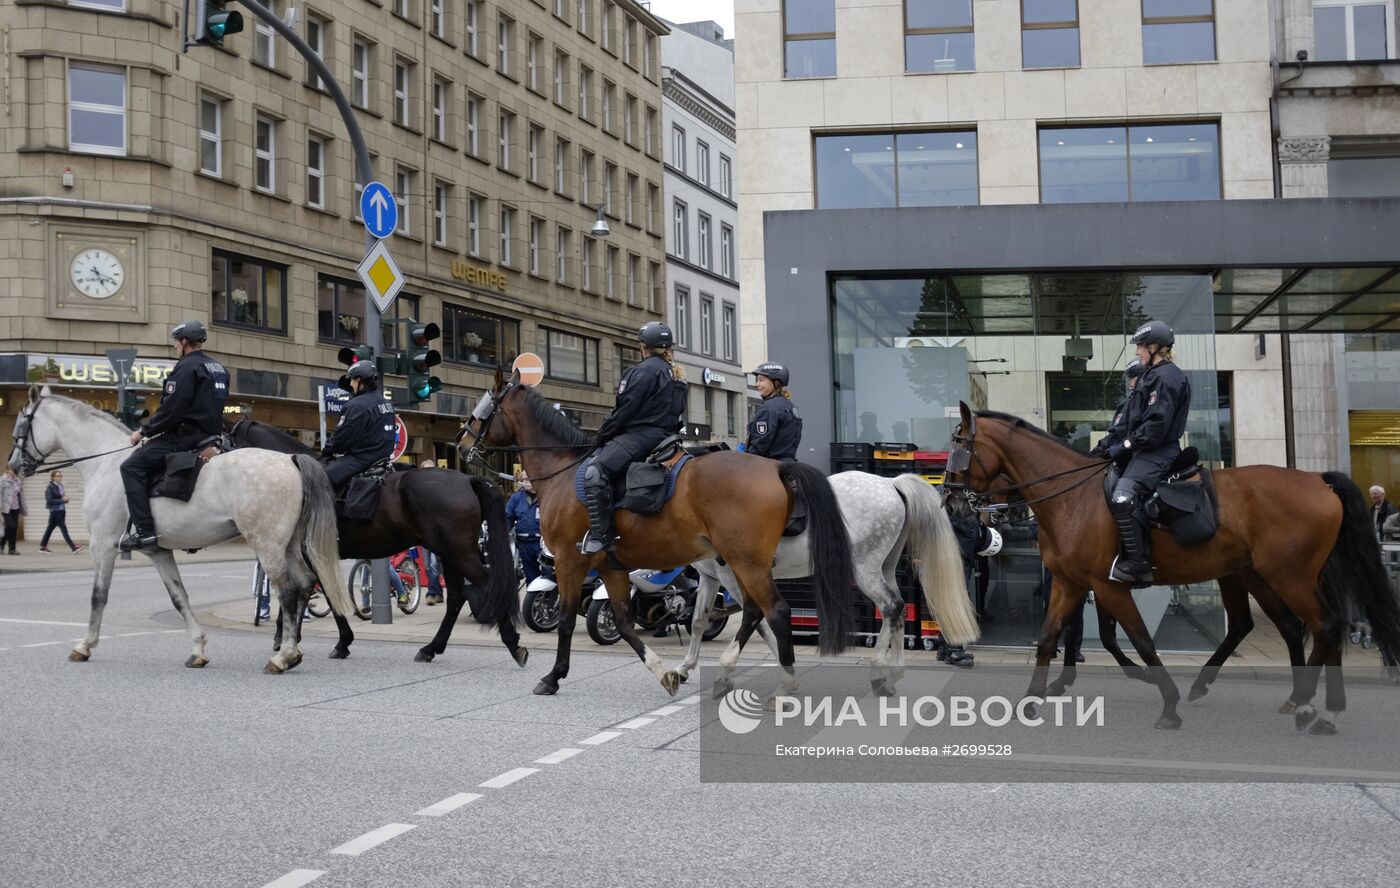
x=523, y=515
x=775, y=430
x=56, y=499
x=433, y=564
x=12, y=500
x=1381, y=509
x=975, y=542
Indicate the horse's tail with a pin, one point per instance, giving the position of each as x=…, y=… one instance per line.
x=315, y=538
x=1354, y=579
x=829, y=546
x=938, y=560
x=502, y=609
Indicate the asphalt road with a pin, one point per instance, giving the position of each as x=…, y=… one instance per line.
x=131, y=770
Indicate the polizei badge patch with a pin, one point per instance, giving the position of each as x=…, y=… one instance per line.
x=170, y=386
x=1152, y=399
x=622, y=386
x=762, y=428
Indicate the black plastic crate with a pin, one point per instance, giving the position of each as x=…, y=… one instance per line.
x=888, y=446
x=851, y=465
x=888, y=468
x=851, y=450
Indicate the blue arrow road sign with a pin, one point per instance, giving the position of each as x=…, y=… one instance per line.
x=378, y=209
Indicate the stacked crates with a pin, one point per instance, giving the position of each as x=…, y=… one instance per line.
x=931, y=464
x=854, y=456
x=893, y=460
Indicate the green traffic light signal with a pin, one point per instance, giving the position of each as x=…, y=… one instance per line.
x=421, y=359
x=215, y=22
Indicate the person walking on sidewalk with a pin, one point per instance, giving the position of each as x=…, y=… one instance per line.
x=12, y=502
x=57, y=502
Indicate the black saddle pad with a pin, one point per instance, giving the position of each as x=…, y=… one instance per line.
x=1187, y=509
x=182, y=468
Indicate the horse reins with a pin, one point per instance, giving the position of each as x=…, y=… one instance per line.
x=975, y=497
x=474, y=453
x=29, y=464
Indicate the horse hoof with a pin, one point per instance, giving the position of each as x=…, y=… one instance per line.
x=1168, y=722
x=521, y=655
x=1055, y=690
x=1323, y=728
x=881, y=688
x=1030, y=709
x=195, y=662
x=1303, y=717
x=273, y=669
x=546, y=688
x=1196, y=693
x=77, y=656
x=1287, y=707
x=671, y=682
x=424, y=656
x=339, y=653
x=722, y=687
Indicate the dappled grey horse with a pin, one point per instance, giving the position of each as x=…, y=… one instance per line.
x=282, y=505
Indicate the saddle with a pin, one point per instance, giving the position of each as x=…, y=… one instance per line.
x=360, y=499
x=177, y=480
x=649, y=484
x=1186, y=509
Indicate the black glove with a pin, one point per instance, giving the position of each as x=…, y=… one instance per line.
x=326, y=453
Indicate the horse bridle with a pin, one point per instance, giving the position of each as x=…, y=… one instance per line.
x=479, y=447
x=964, y=453
x=29, y=463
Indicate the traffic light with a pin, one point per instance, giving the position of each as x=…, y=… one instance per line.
x=215, y=22
x=421, y=360
x=350, y=355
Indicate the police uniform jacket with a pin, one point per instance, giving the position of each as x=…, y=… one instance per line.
x=1156, y=411
x=523, y=514
x=192, y=404
x=366, y=430
x=648, y=400
x=775, y=430
x=1116, y=429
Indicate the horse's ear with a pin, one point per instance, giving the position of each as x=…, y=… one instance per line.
x=500, y=378
x=35, y=391
x=515, y=377
x=966, y=414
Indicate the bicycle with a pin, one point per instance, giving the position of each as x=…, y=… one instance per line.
x=316, y=605
x=406, y=565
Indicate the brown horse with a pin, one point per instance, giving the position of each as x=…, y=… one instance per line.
x=731, y=506
x=1304, y=536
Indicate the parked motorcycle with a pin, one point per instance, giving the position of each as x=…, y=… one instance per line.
x=541, y=605
x=659, y=598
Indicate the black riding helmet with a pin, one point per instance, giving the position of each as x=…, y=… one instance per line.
x=192, y=330
x=1134, y=369
x=655, y=334
x=774, y=371
x=364, y=371
x=1154, y=333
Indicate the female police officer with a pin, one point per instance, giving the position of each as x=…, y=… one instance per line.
x=1154, y=420
x=775, y=430
x=651, y=404
x=366, y=431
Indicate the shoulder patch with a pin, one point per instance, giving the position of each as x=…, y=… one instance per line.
x=761, y=427
x=622, y=385
x=170, y=386
x=1152, y=398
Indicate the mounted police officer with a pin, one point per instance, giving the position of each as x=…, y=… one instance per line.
x=1154, y=420
x=1132, y=373
x=651, y=406
x=775, y=430
x=366, y=431
x=191, y=409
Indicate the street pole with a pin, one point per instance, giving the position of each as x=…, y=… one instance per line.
x=382, y=611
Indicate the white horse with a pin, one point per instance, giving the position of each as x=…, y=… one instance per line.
x=282, y=505
x=882, y=515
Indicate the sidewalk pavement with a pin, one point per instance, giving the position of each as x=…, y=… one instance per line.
x=62, y=558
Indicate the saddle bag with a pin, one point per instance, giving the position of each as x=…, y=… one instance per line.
x=646, y=488
x=181, y=473
x=361, y=498
x=1187, y=510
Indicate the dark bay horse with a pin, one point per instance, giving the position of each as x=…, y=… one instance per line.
x=440, y=510
x=731, y=506
x=1304, y=537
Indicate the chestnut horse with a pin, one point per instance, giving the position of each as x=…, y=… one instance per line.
x=726, y=505
x=1306, y=537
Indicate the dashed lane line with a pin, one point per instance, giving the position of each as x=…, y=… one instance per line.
x=39, y=622
x=448, y=805
x=42, y=644
x=561, y=755
x=296, y=878
x=600, y=738
x=503, y=780
x=665, y=710
x=692, y=700
x=635, y=723
x=357, y=846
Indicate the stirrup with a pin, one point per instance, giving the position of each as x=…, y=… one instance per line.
x=605, y=544
x=1140, y=581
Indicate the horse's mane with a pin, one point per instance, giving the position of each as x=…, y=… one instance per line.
x=1019, y=423
x=87, y=410
x=552, y=422
x=283, y=439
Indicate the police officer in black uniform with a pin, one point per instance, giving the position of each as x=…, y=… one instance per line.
x=191, y=409
x=1154, y=422
x=775, y=430
x=366, y=431
x=651, y=405
x=1116, y=430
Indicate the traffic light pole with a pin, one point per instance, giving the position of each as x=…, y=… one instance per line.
x=381, y=608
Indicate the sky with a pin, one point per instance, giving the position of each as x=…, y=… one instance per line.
x=721, y=11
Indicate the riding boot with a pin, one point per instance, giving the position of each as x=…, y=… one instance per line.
x=1132, y=564
x=136, y=539
x=597, y=489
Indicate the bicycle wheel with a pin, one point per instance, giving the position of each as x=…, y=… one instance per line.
x=318, y=605
x=361, y=583
x=413, y=592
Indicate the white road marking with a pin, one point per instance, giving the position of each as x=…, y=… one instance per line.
x=40, y=622
x=133, y=634
x=665, y=710
x=508, y=777
x=296, y=878
x=636, y=723
x=600, y=738
x=43, y=644
x=690, y=701
x=555, y=758
x=356, y=847
x=449, y=804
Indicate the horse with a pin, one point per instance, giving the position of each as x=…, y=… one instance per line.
x=882, y=516
x=440, y=510
x=283, y=507
x=1319, y=562
x=725, y=505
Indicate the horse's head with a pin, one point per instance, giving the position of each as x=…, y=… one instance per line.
x=492, y=422
x=33, y=442
x=974, y=460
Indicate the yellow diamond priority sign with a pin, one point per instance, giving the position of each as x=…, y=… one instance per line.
x=381, y=275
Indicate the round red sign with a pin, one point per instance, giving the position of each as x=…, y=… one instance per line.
x=530, y=367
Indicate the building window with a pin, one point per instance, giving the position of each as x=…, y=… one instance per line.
x=629, y=119
x=265, y=155
x=265, y=42
x=440, y=98
x=474, y=125
x=586, y=265
x=730, y=330
x=402, y=107
x=707, y=324
x=609, y=185
x=680, y=232
x=211, y=135
x=507, y=123
x=629, y=38
x=649, y=56
x=1178, y=31
x=404, y=307
x=897, y=169
x=809, y=38
x=340, y=310
x=561, y=166
x=561, y=78
x=585, y=177
x=649, y=133
x=403, y=187
x=1137, y=163
x=507, y=235
x=610, y=272
x=532, y=152
x=609, y=97
x=401, y=8
x=533, y=47
x=441, y=193
x=505, y=36
x=1353, y=30
x=609, y=16
x=726, y=251
x=702, y=231
x=702, y=163
x=111, y=5
x=653, y=206
x=438, y=19
x=682, y=330
x=1049, y=33
x=1363, y=171
x=585, y=89
x=474, y=224
x=536, y=234
x=570, y=357
x=678, y=151
x=359, y=74
x=248, y=292
x=656, y=294
x=316, y=39
x=634, y=277
x=316, y=172
x=561, y=10
x=470, y=337
x=630, y=199
x=473, y=16
x=730, y=408
x=938, y=36
x=563, y=252
x=726, y=176
x=583, y=16
x=97, y=110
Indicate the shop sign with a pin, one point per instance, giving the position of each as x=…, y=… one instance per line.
x=480, y=275
x=95, y=370
x=711, y=377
